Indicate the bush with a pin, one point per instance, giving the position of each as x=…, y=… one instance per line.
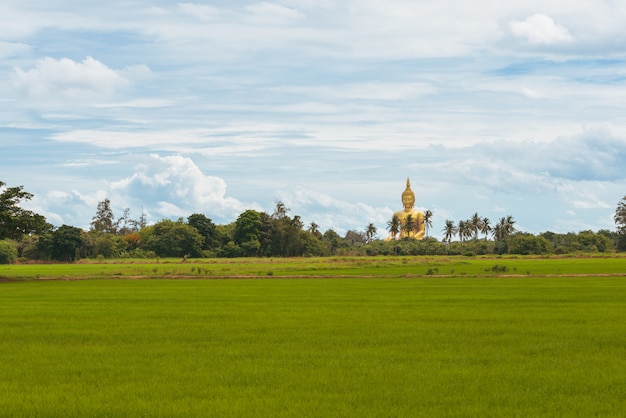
x=8, y=252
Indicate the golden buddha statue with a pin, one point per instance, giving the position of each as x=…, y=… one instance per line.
x=409, y=222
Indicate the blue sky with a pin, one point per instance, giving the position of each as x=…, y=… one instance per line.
x=501, y=108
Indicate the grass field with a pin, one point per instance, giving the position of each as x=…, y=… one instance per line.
x=382, y=346
x=332, y=267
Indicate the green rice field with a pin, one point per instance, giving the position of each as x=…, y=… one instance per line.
x=423, y=337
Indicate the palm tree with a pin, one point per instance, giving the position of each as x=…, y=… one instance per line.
x=449, y=231
x=503, y=228
x=393, y=226
x=510, y=228
x=410, y=225
x=428, y=223
x=485, y=227
x=462, y=228
x=475, y=225
x=498, y=230
x=370, y=232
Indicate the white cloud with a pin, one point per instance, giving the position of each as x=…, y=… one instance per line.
x=175, y=186
x=74, y=80
x=347, y=95
x=540, y=29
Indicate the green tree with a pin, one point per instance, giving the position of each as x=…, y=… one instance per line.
x=126, y=225
x=393, y=226
x=410, y=225
x=502, y=231
x=314, y=229
x=65, y=243
x=172, y=239
x=592, y=242
x=449, y=231
x=485, y=227
x=428, y=222
x=332, y=242
x=28, y=247
x=280, y=211
x=8, y=252
x=464, y=230
x=104, y=220
x=248, y=232
x=206, y=228
x=370, y=232
x=312, y=246
x=103, y=244
x=15, y=221
x=475, y=223
x=525, y=243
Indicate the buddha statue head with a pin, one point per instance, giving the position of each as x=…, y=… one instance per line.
x=408, y=196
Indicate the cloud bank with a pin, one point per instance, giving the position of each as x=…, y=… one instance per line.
x=216, y=107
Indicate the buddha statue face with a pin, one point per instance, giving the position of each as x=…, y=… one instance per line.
x=408, y=197
x=408, y=201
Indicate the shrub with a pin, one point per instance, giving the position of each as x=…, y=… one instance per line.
x=8, y=252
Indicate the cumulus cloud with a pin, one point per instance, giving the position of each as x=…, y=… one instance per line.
x=173, y=186
x=65, y=207
x=64, y=77
x=540, y=29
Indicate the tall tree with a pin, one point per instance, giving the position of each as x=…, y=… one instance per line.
x=620, y=216
x=280, y=211
x=428, y=223
x=332, y=241
x=502, y=230
x=247, y=226
x=462, y=230
x=169, y=238
x=206, y=228
x=104, y=221
x=126, y=225
x=510, y=225
x=485, y=227
x=393, y=226
x=449, y=231
x=409, y=225
x=370, y=232
x=15, y=221
x=66, y=242
x=475, y=222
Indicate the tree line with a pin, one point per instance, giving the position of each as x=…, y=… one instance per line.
x=25, y=235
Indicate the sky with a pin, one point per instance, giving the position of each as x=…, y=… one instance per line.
x=497, y=108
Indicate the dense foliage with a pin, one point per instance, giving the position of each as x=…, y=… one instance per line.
x=255, y=234
x=15, y=222
x=8, y=252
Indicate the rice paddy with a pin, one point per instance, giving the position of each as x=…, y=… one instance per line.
x=406, y=342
